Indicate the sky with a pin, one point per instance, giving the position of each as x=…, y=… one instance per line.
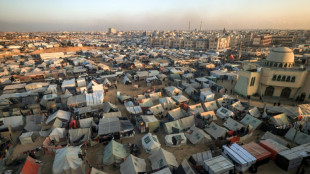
x=99, y=15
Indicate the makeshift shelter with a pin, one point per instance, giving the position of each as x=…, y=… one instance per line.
x=210, y=106
x=86, y=122
x=68, y=84
x=185, y=168
x=46, y=98
x=155, y=96
x=254, y=112
x=126, y=80
x=133, y=165
x=151, y=122
x=157, y=110
x=93, y=99
x=58, y=134
x=273, y=147
x=165, y=170
x=176, y=114
x=195, y=109
x=109, y=107
x=198, y=158
x=113, y=114
x=190, y=91
x=114, y=152
x=33, y=122
x=292, y=158
x=237, y=107
x=197, y=136
x=108, y=125
x=132, y=109
x=162, y=158
x=301, y=138
x=180, y=99
x=126, y=128
x=215, y=130
x=224, y=113
x=96, y=171
x=146, y=103
x=172, y=91
x=167, y=103
x=106, y=82
x=81, y=82
x=250, y=120
x=187, y=122
x=269, y=135
x=232, y=124
x=79, y=136
x=64, y=115
x=76, y=101
x=26, y=138
x=175, y=139
x=13, y=121
x=242, y=159
x=218, y=165
x=172, y=127
x=31, y=166
x=206, y=96
x=280, y=121
x=52, y=89
x=67, y=160
x=150, y=143
x=209, y=116
x=262, y=155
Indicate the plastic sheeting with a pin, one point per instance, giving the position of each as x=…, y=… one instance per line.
x=95, y=98
x=150, y=143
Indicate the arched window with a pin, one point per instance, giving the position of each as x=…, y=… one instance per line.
x=274, y=78
x=279, y=78
x=285, y=65
x=293, y=79
x=288, y=78
x=283, y=78
x=280, y=65
x=275, y=64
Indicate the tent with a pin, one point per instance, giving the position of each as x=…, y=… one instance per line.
x=33, y=122
x=207, y=96
x=108, y=125
x=187, y=122
x=64, y=115
x=195, y=109
x=26, y=138
x=197, y=136
x=58, y=134
x=176, y=114
x=13, y=121
x=269, y=135
x=224, y=113
x=254, y=112
x=107, y=82
x=112, y=114
x=218, y=165
x=250, y=120
x=167, y=103
x=68, y=84
x=237, y=106
x=46, y=98
x=301, y=138
x=161, y=158
x=126, y=80
x=146, y=103
x=96, y=171
x=109, y=107
x=151, y=122
x=185, y=168
x=155, y=96
x=210, y=115
x=31, y=166
x=114, y=152
x=210, y=106
x=215, y=130
x=78, y=136
x=52, y=89
x=198, y=158
x=133, y=165
x=165, y=170
x=150, y=143
x=179, y=99
x=232, y=124
x=173, y=127
x=242, y=159
x=157, y=110
x=191, y=91
x=280, y=120
x=172, y=91
x=86, y=122
x=67, y=161
x=95, y=98
x=175, y=139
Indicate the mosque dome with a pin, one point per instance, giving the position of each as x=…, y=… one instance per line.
x=281, y=55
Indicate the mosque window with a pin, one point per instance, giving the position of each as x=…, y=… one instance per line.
x=252, y=81
x=288, y=78
x=281, y=65
x=283, y=78
x=285, y=65
x=274, y=78
x=275, y=64
x=279, y=78
x=293, y=79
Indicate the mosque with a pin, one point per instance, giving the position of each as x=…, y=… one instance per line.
x=276, y=76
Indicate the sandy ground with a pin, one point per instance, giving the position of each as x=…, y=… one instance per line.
x=95, y=153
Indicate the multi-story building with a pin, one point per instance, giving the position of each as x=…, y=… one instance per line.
x=202, y=44
x=178, y=43
x=112, y=31
x=219, y=43
x=276, y=77
x=262, y=40
x=189, y=43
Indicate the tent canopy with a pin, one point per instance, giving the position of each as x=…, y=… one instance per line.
x=59, y=114
x=133, y=165
x=162, y=158
x=113, y=152
x=150, y=143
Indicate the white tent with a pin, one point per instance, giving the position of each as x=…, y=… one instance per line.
x=187, y=122
x=157, y=110
x=180, y=99
x=108, y=125
x=13, y=121
x=67, y=161
x=58, y=134
x=165, y=170
x=26, y=138
x=250, y=120
x=195, y=109
x=59, y=114
x=133, y=165
x=172, y=91
x=150, y=143
x=175, y=139
x=113, y=152
x=218, y=165
x=162, y=158
x=106, y=82
x=77, y=136
x=68, y=84
x=167, y=103
x=232, y=124
x=210, y=106
x=215, y=130
x=280, y=120
x=169, y=127
x=197, y=136
x=224, y=113
x=237, y=106
x=255, y=112
x=176, y=114
x=207, y=96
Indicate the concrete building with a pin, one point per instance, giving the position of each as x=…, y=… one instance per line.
x=112, y=31
x=262, y=40
x=219, y=43
x=276, y=77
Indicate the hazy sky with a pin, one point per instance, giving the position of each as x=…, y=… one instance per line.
x=98, y=15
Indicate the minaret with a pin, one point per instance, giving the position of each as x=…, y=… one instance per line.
x=239, y=56
x=200, y=25
x=189, y=26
